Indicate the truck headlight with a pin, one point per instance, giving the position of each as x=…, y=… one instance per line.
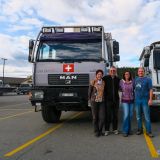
x=156, y=96
x=38, y=94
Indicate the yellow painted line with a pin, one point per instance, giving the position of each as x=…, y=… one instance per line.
x=15, y=115
x=150, y=145
x=40, y=136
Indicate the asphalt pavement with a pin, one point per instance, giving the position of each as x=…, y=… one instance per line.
x=25, y=136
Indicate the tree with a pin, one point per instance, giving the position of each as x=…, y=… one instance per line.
x=133, y=70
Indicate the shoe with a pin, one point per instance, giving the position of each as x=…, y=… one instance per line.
x=106, y=133
x=139, y=132
x=125, y=135
x=115, y=132
x=97, y=134
x=150, y=135
x=101, y=134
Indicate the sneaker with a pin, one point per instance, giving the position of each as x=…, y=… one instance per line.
x=115, y=132
x=106, y=133
x=150, y=135
x=125, y=135
x=139, y=132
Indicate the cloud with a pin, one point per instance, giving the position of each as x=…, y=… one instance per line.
x=134, y=23
x=11, y=7
x=26, y=24
x=149, y=12
x=11, y=48
x=13, y=28
x=32, y=21
x=16, y=71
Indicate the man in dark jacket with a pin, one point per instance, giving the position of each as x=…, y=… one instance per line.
x=111, y=97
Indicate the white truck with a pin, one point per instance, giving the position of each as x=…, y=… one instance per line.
x=65, y=59
x=150, y=60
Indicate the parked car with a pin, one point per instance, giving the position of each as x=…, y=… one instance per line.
x=24, y=88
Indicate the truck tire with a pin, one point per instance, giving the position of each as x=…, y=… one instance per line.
x=50, y=114
x=154, y=114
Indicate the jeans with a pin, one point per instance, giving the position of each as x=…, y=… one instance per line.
x=127, y=117
x=98, y=114
x=142, y=106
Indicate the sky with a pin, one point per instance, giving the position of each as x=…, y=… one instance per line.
x=133, y=23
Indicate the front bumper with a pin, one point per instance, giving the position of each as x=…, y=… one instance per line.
x=63, y=98
x=156, y=98
x=156, y=103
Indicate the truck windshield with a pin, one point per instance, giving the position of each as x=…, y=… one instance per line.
x=156, y=59
x=59, y=51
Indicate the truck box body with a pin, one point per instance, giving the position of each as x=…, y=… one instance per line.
x=150, y=60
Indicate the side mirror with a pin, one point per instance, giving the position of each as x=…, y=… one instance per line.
x=148, y=71
x=147, y=55
x=107, y=64
x=31, y=45
x=116, y=58
x=146, y=62
x=115, y=47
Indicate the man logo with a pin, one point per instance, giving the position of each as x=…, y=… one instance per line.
x=68, y=77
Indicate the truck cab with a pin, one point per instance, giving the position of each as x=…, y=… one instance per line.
x=65, y=59
x=150, y=60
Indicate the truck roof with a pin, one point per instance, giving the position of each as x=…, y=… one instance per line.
x=148, y=48
x=69, y=36
x=157, y=42
x=143, y=52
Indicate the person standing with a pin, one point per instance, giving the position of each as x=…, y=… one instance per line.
x=143, y=99
x=111, y=97
x=96, y=98
x=127, y=100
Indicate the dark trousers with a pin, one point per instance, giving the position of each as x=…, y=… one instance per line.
x=98, y=114
x=111, y=115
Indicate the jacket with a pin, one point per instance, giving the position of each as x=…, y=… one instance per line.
x=96, y=91
x=111, y=89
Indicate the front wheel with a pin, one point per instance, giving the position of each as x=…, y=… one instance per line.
x=50, y=114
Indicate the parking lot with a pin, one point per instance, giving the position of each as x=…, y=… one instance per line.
x=25, y=136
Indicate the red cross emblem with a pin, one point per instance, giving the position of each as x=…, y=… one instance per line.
x=68, y=67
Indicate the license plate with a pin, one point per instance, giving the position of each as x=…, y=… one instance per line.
x=67, y=94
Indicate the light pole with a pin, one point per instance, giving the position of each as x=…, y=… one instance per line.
x=4, y=59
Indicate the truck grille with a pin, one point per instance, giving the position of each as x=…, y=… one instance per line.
x=71, y=79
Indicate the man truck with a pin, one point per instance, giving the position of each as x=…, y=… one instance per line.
x=150, y=60
x=65, y=59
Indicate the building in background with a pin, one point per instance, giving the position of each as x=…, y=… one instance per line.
x=15, y=81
